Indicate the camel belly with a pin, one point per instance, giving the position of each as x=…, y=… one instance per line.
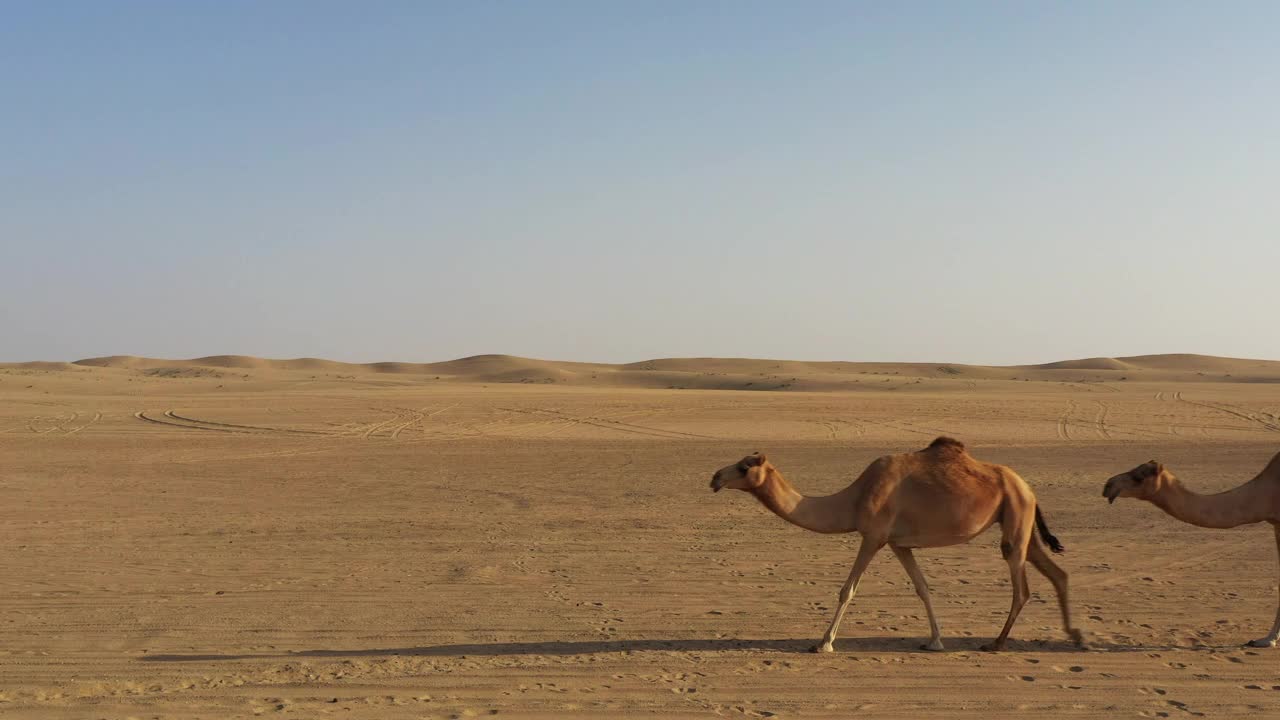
x=940, y=528
x=932, y=539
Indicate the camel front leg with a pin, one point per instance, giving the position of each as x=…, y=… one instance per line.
x=866, y=551
x=1270, y=639
x=908, y=561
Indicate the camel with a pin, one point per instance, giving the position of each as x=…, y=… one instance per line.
x=935, y=497
x=1253, y=502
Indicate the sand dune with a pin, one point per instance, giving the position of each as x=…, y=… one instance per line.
x=1204, y=363
x=724, y=373
x=243, y=362
x=1086, y=364
x=42, y=365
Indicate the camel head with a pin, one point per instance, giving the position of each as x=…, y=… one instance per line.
x=746, y=474
x=1143, y=482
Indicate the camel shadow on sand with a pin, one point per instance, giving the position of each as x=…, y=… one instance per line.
x=877, y=645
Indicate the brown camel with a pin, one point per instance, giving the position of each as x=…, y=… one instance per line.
x=935, y=497
x=1253, y=502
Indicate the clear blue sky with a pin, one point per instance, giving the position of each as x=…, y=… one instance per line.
x=968, y=182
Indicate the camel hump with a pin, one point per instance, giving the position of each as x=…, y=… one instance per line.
x=942, y=442
x=1272, y=467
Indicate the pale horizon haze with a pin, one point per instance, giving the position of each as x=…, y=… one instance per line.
x=976, y=182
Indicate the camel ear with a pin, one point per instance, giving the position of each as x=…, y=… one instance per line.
x=754, y=459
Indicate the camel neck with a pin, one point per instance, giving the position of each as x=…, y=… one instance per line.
x=1220, y=510
x=827, y=514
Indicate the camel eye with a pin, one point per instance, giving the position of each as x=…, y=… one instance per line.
x=742, y=468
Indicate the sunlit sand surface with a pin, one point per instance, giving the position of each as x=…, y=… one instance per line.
x=237, y=537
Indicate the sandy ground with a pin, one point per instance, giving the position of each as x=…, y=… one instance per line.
x=260, y=541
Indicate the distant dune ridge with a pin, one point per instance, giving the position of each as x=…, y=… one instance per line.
x=707, y=373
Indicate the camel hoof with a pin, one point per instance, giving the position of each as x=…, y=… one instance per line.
x=824, y=648
x=1078, y=638
x=935, y=646
x=1261, y=643
x=991, y=647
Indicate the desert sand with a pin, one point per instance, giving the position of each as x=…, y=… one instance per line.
x=234, y=537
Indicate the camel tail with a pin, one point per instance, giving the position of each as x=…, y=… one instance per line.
x=1045, y=535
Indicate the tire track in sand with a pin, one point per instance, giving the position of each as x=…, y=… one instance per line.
x=142, y=415
x=38, y=423
x=173, y=414
x=911, y=427
x=419, y=417
x=1177, y=429
x=416, y=417
x=1235, y=410
x=374, y=428
x=1100, y=420
x=830, y=428
x=1098, y=424
x=613, y=424
x=1064, y=421
x=96, y=417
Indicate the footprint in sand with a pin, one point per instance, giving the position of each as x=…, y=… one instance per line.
x=1183, y=707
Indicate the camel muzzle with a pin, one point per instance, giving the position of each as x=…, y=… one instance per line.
x=1110, y=492
x=716, y=484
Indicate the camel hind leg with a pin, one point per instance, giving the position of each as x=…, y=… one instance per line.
x=1270, y=639
x=1017, y=535
x=1047, y=567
